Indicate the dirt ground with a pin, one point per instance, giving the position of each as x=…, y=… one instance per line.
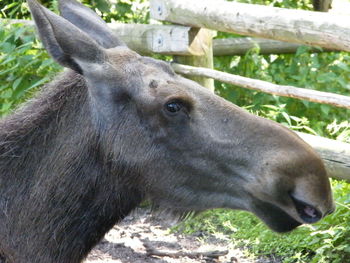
x=141, y=235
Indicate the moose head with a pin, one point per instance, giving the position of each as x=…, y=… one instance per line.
x=192, y=150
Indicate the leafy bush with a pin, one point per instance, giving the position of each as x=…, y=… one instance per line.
x=120, y=10
x=13, y=9
x=320, y=71
x=127, y=11
x=24, y=65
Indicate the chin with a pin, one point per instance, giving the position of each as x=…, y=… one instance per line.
x=275, y=218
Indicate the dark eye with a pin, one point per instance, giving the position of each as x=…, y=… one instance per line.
x=173, y=107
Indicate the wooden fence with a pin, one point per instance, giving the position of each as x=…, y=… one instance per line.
x=192, y=43
x=296, y=26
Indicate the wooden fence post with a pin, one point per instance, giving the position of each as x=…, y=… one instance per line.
x=322, y=5
x=200, y=39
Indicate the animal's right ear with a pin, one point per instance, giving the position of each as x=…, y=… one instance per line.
x=66, y=43
x=88, y=21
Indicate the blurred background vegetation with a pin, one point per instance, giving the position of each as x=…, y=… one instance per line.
x=25, y=66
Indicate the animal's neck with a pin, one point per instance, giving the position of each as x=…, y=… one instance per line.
x=57, y=190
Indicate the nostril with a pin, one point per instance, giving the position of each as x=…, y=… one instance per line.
x=308, y=213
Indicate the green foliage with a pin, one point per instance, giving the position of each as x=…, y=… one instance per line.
x=340, y=130
x=24, y=65
x=326, y=241
x=13, y=9
x=121, y=11
x=19, y=9
x=126, y=11
x=319, y=71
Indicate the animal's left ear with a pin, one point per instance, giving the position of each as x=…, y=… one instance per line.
x=88, y=21
x=66, y=43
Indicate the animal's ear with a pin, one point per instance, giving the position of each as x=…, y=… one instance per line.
x=66, y=43
x=88, y=21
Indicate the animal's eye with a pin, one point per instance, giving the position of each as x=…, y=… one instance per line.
x=173, y=106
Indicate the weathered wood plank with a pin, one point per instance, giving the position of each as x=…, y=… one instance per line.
x=240, y=46
x=148, y=39
x=295, y=26
x=335, y=154
x=160, y=39
x=179, y=40
x=267, y=87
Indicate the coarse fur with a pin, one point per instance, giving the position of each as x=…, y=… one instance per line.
x=116, y=128
x=51, y=135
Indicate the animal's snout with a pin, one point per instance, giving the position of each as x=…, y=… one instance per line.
x=294, y=184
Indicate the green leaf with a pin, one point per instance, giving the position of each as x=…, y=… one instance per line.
x=16, y=83
x=7, y=47
x=103, y=5
x=327, y=77
x=5, y=107
x=310, y=130
x=287, y=118
x=9, y=70
x=325, y=109
x=6, y=94
x=7, y=60
x=343, y=66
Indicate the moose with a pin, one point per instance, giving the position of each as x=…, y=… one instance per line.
x=116, y=128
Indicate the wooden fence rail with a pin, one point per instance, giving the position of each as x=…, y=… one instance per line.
x=296, y=26
x=240, y=46
x=267, y=87
x=179, y=40
x=149, y=39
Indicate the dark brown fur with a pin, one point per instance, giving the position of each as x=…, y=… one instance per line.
x=81, y=199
